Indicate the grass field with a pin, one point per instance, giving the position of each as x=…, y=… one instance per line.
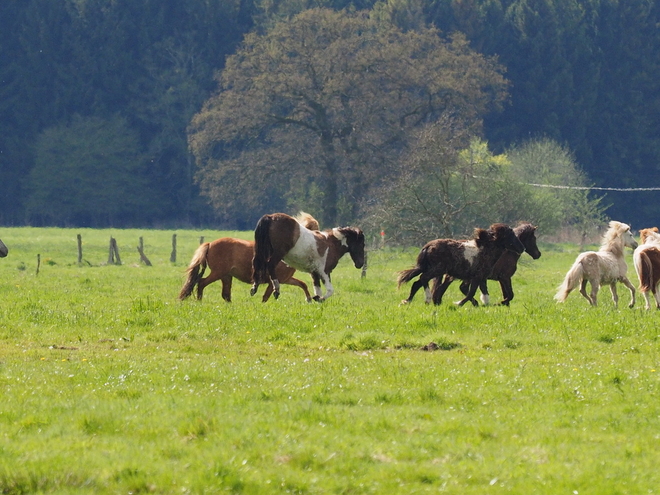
x=111, y=385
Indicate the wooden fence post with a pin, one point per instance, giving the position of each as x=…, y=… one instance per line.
x=364, y=267
x=173, y=255
x=113, y=255
x=38, y=263
x=143, y=257
x=201, y=240
x=79, y=248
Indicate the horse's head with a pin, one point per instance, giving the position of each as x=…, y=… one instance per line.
x=623, y=230
x=649, y=236
x=526, y=232
x=505, y=237
x=354, y=239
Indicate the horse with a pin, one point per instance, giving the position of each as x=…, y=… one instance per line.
x=4, y=250
x=230, y=258
x=646, y=260
x=507, y=264
x=471, y=260
x=280, y=237
x=605, y=266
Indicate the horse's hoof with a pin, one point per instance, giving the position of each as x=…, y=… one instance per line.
x=253, y=291
x=276, y=294
x=404, y=302
x=317, y=298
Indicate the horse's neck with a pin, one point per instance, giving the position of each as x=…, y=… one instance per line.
x=615, y=249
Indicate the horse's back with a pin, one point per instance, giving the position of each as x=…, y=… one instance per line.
x=231, y=256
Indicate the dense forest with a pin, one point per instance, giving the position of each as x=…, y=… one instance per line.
x=101, y=100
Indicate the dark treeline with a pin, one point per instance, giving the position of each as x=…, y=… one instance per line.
x=96, y=96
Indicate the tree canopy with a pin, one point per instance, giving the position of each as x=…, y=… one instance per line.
x=328, y=99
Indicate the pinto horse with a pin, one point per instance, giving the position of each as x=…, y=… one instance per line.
x=280, y=237
x=4, y=251
x=646, y=259
x=230, y=258
x=507, y=264
x=605, y=266
x=472, y=260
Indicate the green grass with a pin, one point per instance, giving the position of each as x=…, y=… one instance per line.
x=111, y=385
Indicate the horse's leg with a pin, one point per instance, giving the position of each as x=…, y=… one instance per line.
x=656, y=294
x=301, y=284
x=507, y=291
x=226, y=287
x=203, y=283
x=318, y=294
x=439, y=290
x=267, y=293
x=485, y=297
x=615, y=296
x=422, y=281
x=329, y=289
x=595, y=287
x=465, y=288
x=583, y=290
x=631, y=288
x=474, y=285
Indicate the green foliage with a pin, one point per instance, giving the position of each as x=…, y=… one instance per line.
x=446, y=187
x=88, y=173
x=537, y=397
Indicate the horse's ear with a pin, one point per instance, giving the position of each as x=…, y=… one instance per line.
x=654, y=229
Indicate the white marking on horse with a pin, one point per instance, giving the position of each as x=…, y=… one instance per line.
x=471, y=251
x=304, y=255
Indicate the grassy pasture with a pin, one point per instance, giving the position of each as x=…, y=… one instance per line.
x=111, y=385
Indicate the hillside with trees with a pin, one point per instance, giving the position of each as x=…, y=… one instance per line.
x=190, y=112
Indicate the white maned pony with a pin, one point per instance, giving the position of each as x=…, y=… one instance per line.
x=605, y=266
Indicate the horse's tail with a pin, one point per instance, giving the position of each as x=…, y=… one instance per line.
x=420, y=267
x=644, y=270
x=571, y=281
x=195, y=270
x=263, y=249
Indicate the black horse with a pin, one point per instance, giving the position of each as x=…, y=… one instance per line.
x=472, y=260
x=506, y=265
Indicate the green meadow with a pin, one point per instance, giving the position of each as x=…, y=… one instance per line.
x=110, y=384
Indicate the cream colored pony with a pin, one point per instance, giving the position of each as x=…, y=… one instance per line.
x=646, y=260
x=605, y=266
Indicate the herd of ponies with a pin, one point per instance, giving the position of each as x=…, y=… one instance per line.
x=283, y=244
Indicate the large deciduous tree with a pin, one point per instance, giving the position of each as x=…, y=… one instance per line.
x=315, y=111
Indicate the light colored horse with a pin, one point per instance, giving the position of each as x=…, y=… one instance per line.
x=4, y=251
x=605, y=266
x=646, y=260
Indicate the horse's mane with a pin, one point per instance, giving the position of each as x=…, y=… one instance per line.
x=307, y=221
x=649, y=236
x=613, y=234
x=482, y=237
x=352, y=232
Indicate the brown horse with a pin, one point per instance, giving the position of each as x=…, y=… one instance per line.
x=230, y=258
x=646, y=259
x=280, y=237
x=506, y=266
x=471, y=260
